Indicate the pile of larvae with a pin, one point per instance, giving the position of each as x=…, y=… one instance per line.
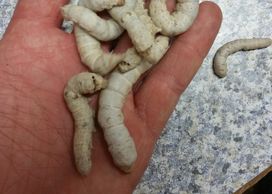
x=150, y=31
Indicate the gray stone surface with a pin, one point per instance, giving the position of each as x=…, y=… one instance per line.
x=220, y=133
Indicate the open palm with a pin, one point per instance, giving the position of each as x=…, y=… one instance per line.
x=36, y=129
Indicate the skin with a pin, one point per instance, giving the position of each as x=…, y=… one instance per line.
x=36, y=129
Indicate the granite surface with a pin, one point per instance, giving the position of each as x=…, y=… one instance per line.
x=220, y=134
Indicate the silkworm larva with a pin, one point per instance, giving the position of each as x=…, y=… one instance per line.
x=137, y=30
x=144, y=16
x=110, y=116
x=177, y=22
x=99, y=28
x=111, y=119
x=92, y=55
x=220, y=58
x=76, y=88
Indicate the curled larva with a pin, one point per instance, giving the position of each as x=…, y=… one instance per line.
x=99, y=28
x=92, y=55
x=177, y=22
x=220, y=58
x=141, y=37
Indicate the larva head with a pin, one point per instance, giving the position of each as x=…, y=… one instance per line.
x=65, y=11
x=220, y=70
x=87, y=83
x=93, y=82
x=220, y=65
x=99, y=81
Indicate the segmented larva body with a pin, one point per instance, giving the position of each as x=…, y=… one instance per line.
x=159, y=47
x=111, y=119
x=179, y=21
x=140, y=35
x=110, y=116
x=145, y=18
x=130, y=60
x=152, y=55
x=76, y=88
x=103, y=30
x=93, y=56
x=220, y=58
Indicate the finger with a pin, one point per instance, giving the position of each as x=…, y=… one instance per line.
x=47, y=11
x=161, y=90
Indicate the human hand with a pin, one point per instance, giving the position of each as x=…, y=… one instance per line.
x=36, y=129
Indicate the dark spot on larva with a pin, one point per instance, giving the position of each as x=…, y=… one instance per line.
x=66, y=93
x=94, y=82
x=85, y=124
x=122, y=66
x=80, y=84
x=70, y=95
x=123, y=63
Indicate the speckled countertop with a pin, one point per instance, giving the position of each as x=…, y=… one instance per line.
x=220, y=134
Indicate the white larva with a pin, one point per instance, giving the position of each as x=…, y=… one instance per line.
x=76, y=88
x=179, y=21
x=220, y=58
